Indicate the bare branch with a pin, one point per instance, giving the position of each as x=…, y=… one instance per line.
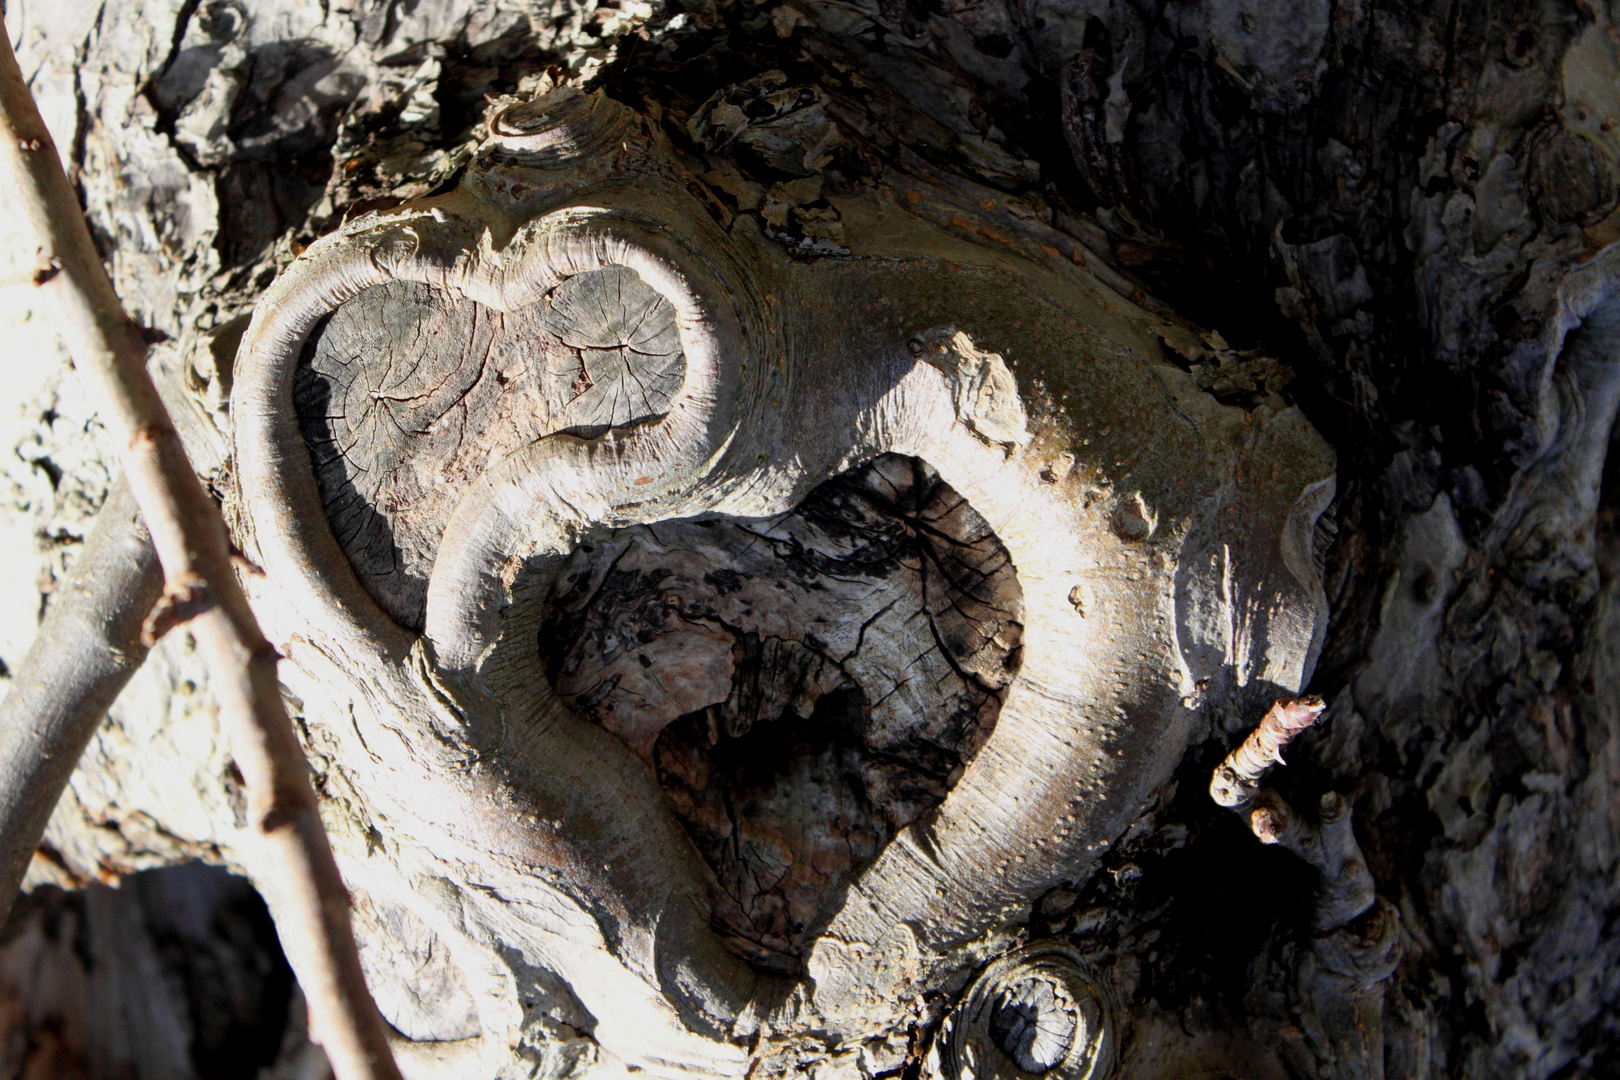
x=86, y=650
x=189, y=535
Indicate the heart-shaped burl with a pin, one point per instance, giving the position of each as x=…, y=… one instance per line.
x=407, y=393
x=805, y=685
x=481, y=445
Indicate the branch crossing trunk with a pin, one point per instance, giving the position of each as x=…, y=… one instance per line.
x=189, y=535
x=88, y=646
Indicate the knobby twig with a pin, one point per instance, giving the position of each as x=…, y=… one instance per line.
x=1329, y=845
x=1237, y=781
x=87, y=648
x=189, y=535
x=1356, y=941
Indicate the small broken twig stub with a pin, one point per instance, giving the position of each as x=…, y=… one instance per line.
x=184, y=598
x=109, y=350
x=1236, y=782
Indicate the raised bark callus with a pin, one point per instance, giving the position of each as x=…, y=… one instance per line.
x=569, y=344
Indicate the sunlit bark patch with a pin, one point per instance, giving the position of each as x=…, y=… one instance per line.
x=804, y=685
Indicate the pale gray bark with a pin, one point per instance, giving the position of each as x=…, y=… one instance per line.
x=200, y=584
x=89, y=645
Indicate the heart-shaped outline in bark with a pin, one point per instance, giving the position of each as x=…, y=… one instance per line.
x=1046, y=406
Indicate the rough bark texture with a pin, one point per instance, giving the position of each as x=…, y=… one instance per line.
x=396, y=444
x=1400, y=216
x=201, y=589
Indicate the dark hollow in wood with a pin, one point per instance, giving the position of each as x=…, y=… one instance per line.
x=408, y=392
x=804, y=685
x=177, y=973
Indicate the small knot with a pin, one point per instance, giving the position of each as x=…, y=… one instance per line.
x=1034, y=1023
x=1133, y=520
x=1077, y=599
x=184, y=598
x=1268, y=823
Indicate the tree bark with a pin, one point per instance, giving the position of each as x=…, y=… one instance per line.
x=1400, y=219
x=88, y=647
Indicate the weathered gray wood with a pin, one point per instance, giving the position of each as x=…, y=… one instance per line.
x=1161, y=540
x=1389, y=201
x=613, y=356
x=408, y=394
x=430, y=1003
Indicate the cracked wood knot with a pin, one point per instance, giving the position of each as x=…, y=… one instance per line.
x=1035, y=1023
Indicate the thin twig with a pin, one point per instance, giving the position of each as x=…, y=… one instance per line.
x=1237, y=780
x=109, y=350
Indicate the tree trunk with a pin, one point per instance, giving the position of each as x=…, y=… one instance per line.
x=1039, y=326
